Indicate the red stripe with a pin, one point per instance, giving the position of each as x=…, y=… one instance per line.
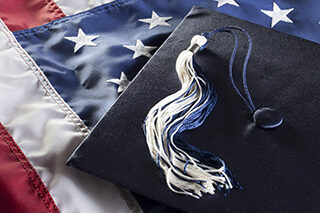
x=24, y=14
x=21, y=189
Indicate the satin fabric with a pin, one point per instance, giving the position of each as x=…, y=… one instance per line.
x=21, y=189
x=24, y=14
x=70, y=7
x=80, y=78
x=47, y=131
x=278, y=169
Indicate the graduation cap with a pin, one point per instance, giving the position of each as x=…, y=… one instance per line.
x=273, y=169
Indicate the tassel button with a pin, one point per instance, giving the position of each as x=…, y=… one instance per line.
x=267, y=118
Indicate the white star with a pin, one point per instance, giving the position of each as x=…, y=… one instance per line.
x=140, y=49
x=223, y=2
x=81, y=40
x=123, y=82
x=278, y=15
x=156, y=20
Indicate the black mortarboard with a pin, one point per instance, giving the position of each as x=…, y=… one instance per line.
x=278, y=169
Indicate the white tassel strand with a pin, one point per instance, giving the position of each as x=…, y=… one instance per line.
x=184, y=173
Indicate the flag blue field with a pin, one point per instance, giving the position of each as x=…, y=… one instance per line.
x=92, y=56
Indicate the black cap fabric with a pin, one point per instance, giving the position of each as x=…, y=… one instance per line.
x=278, y=169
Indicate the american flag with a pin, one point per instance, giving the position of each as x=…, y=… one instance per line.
x=65, y=62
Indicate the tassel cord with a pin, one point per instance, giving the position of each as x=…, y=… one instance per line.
x=230, y=29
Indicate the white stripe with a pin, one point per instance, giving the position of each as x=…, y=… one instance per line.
x=48, y=131
x=70, y=7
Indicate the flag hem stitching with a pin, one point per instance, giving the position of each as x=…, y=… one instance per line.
x=36, y=180
x=95, y=11
x=54, y=8
x=46, y=84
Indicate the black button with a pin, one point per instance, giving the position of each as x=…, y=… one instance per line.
x=267, y=118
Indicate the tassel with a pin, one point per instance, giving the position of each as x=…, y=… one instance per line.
x=188, y=170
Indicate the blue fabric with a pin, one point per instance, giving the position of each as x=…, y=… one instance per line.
x=80, y=78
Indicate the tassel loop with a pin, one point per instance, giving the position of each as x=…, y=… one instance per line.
x=197, y=42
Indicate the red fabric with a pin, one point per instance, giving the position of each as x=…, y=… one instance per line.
x=23, y=14
x=21, y=189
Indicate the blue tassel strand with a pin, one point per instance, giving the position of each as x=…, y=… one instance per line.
x=189, y=170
